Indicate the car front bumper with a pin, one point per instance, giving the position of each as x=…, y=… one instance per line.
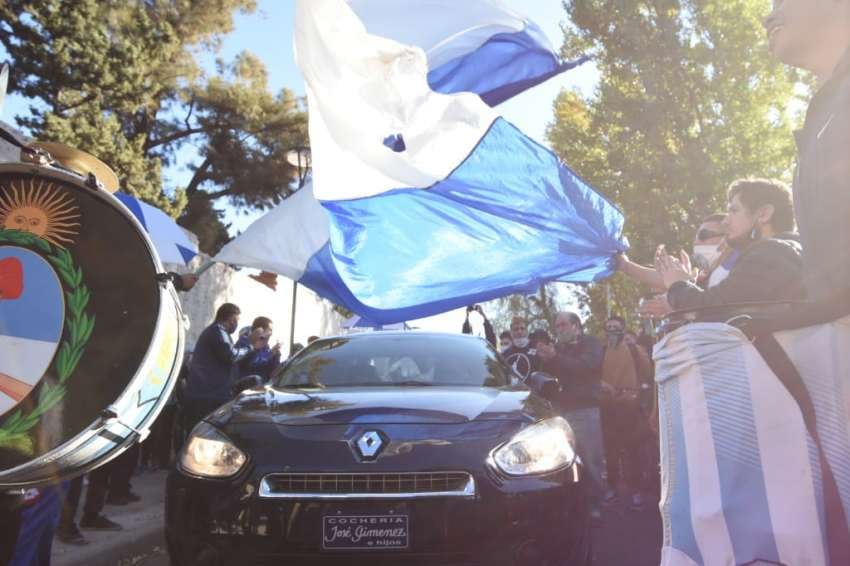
x=541, y=521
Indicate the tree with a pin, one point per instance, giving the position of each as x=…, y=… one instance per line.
x=119, y=79
x=688, y=100
x=538, y=310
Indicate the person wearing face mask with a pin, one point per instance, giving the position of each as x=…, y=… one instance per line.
x=625, y=369
x=759, y=224
x=576, y=362
x=712, y=256
x=518, y=356
x=209, y=383
x=505, y=341
x=712, y=260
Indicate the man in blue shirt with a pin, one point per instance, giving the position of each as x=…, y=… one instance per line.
x=209, y=383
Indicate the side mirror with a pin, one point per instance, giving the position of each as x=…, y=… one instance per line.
x=247, y=382
x=544, y=385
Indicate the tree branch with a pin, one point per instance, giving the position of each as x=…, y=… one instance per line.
x=199, y=177
x=215, y=194
x=150, y=144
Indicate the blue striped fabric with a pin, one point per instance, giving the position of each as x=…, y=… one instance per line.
x=740, y=473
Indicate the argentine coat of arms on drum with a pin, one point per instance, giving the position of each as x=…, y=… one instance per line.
x=43, y=302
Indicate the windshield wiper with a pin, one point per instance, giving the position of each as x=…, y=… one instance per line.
x=412, y=383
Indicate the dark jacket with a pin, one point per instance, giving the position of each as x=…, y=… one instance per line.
x=523, y=360
x=578, y=367
x=260, y=362
x=822, y=187
x=768, y=270
x=210, y=368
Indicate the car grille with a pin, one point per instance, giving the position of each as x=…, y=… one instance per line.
x=368, y=486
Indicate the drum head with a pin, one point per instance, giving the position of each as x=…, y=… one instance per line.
x=78, y=309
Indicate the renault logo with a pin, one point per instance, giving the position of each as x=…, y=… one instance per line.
x=369, y=444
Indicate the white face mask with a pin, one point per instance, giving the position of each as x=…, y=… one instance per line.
x=520, y=342
x=705, y=255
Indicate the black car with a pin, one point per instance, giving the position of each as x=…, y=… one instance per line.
x=382, y=448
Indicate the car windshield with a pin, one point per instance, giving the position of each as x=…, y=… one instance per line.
x=411, y=360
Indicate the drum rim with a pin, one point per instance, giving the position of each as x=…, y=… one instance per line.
x=11, y=478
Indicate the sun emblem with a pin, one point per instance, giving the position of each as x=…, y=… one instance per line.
x=41, y=210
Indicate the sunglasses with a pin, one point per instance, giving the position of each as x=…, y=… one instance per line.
x=706, y=234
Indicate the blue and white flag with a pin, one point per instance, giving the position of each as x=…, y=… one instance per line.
x=171, y=242
x=421, y=201
x=471, y=45
x=741, y=477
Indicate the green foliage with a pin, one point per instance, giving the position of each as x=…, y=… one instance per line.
x=119, y=79
x=538, y=310
x=688, y=100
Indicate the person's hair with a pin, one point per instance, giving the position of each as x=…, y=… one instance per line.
x=716, y=217
x=505, y=334
x=574, y=319
x=538, y=336
x=617, y=318
x=261, y=322
x=225, y=311
x=519, y=319
x=755, y=193
x=311, y=339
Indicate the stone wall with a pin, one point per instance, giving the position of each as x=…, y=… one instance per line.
x=223, y=284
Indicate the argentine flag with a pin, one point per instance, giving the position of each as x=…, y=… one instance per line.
x=423, y=199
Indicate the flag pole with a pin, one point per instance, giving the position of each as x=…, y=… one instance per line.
x=292, y=321
x=299, y=157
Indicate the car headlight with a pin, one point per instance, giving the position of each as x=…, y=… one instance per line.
x=209, y=453
x=543, y=447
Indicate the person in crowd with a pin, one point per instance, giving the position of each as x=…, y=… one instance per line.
x=517, y=356
x=626, y=373
x=489, y=333
x=576, y=361
x=109, y=483
x=209, y=383
x=264, y=359
x=713, y=259
x=505, y=341
x=708, y=254
x=297, y=347
x=760, y=224
x=34, y=527
x=68, y=531
x=311, y=339
x=157, y=449
x=815, y=35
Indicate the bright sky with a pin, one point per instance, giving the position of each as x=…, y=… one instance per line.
x=268, y=34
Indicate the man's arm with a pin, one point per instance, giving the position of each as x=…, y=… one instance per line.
x=225, y=350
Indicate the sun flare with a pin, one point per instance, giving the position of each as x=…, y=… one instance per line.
x=39, y=210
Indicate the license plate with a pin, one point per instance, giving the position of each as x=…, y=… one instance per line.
x=365, y=532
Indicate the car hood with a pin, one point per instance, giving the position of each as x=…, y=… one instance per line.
x=382, y=405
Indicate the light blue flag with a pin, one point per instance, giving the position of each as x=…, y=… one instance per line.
x=421, y=201
x=171, y=242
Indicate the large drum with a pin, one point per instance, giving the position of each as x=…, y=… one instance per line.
x=90, y=341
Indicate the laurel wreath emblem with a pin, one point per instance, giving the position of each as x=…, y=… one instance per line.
x=78, y=328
